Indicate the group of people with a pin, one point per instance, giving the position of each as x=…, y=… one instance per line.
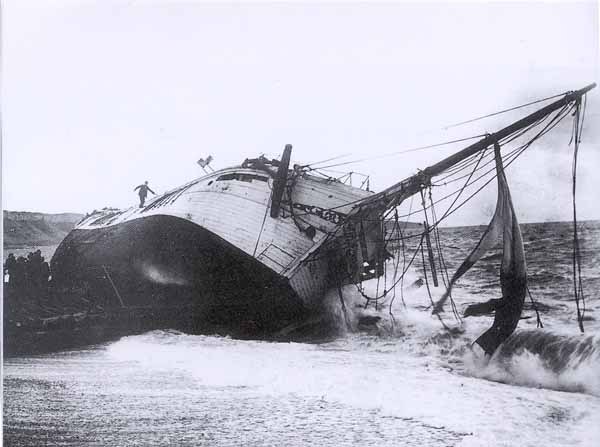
x=32, y=272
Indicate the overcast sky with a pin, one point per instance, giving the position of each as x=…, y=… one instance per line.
x=98, y=96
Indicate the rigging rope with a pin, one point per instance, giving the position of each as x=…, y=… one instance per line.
x=555, y=120
x=474, y=164
x=442, y=262
x=505, y=111
x=404, y=270
x=403, y=253
x=534, y=305
x=514, y=154
x=427, y=284
x=577, y=280
x=518, y=152
x=326, y=160
x=405, y=151
x=396, y=263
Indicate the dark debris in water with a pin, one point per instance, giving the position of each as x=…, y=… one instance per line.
x=558, y=414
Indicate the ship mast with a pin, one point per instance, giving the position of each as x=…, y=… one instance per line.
x=400, y=191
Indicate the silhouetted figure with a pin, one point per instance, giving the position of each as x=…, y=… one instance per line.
x=20, y=272
x=34, y=270
x=143, y=192
x=9, y=267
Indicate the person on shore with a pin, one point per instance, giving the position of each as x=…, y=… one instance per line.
x=19, y=277
x=9, y=267
x=143, y=192
x=34, y=270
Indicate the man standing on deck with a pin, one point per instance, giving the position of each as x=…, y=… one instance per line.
x=143, y=192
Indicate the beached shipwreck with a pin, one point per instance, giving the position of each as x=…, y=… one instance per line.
x=251, y=250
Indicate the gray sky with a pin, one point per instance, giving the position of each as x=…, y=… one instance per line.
x=98, y=96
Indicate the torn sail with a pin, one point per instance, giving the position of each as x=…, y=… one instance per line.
x=513, y=276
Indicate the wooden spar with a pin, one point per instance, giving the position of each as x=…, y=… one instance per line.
x=411, y=185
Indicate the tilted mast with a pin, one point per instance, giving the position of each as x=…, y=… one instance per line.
x=365, y=256
x=400, y=191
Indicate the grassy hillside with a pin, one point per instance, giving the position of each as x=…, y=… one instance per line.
x=24, y=229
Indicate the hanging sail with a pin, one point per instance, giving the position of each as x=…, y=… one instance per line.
x=490, y=236
x=513, y=278
x=513, y=275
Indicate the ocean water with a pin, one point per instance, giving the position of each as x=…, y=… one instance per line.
x=405, y=382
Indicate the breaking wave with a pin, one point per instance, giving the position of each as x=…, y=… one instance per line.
x=535, y=358
x=538, y=358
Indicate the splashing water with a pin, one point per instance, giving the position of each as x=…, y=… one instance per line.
x=535, y=358
x=402, y=380
x=418, y=377
x=543, y=359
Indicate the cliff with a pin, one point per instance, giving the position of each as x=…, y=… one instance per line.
x=26, y=229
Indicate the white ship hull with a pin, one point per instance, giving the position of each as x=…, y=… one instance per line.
x=212, y=244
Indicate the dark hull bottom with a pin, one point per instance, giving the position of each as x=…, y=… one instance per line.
x=38, y=336
x=172, y=266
